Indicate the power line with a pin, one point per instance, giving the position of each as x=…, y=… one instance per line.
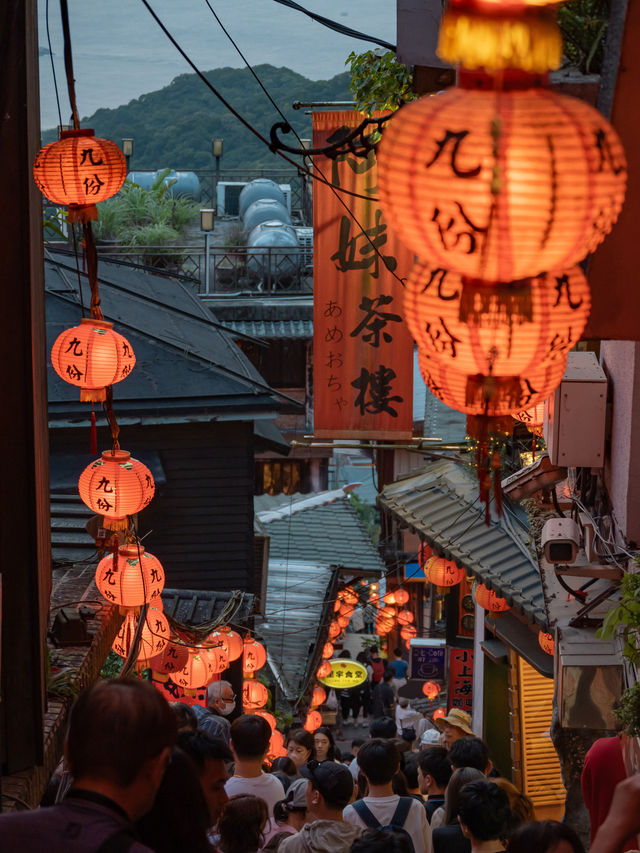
x=336, y=27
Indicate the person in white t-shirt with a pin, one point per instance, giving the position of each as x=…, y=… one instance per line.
x=378, y=760
x=250, y=736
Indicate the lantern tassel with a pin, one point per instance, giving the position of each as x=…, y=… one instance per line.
x=116, y=523
x=93, y=435
x=93, y=395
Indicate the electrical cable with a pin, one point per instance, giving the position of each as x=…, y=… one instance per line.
x=53, y=66
x=336, y=27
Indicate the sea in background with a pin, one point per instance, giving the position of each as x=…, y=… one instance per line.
x=120, y=52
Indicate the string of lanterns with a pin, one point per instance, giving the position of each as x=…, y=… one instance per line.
x=500, y=186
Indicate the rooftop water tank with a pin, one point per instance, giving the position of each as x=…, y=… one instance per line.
x=261, y=188
x=186, y=183
x=269, y=255
x=264, y=210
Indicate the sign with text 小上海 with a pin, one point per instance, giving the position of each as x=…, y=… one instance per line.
x=461, y=679
x=362, y=348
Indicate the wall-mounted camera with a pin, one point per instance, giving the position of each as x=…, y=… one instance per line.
x=560, y=540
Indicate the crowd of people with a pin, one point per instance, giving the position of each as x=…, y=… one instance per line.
x=152, y=776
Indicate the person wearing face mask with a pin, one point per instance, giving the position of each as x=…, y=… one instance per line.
x=221, y=702
x=300, y=747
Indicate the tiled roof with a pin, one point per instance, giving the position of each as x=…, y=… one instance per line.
x=323, y=528
x=272, y=328
x=441, y=504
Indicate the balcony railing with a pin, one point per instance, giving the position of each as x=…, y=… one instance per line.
x=233, y=270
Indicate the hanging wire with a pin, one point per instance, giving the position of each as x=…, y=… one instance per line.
x=68, y=63
x=53, y=65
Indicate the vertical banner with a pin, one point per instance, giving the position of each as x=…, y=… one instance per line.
x=362, y=348
x=461, y=679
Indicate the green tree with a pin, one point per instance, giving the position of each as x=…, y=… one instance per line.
x=379, y=81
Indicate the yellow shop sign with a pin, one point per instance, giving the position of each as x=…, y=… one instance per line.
x=345, y=673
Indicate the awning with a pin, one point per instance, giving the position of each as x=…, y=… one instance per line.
x=272, y=328
x=441, y=504
x=523, y=640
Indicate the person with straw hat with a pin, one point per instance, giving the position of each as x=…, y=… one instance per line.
x=455, y=725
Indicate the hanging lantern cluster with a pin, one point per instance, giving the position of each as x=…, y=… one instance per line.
x=488, y=600
x=501, y=187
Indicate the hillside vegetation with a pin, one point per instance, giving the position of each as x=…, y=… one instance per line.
x=174, y=126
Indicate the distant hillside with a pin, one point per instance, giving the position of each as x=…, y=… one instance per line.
x=174, y=126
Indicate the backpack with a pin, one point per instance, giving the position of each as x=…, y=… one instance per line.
x=378, y=668
x=395, y=825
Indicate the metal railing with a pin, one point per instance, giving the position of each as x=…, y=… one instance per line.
x=233, y=270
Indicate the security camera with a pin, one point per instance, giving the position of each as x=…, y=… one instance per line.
x=560, y=540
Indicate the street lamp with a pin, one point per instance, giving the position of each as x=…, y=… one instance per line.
x=127, y=150
x=216, y=151
x=207, y=223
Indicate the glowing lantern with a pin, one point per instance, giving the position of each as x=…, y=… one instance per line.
x=323, y=670
x=254, y=655
x=533, y=418
x=346, y=610
x=318, y=697
x=337, y=605
x=501, y=185
x=494, y=328
x=172, y=658
x=383, y=627
x=327, y=651
x=254, y=695
x=266, y=716
x=388, y=613
x=401, y=596
x=80, y=170
x=234, y=643
x=133, y=578
x=408, y=632
x=405, y=617
x=374, y=598
x=154, y=636
x=313, y=721
x=444, y=574
x=488, y=600
x=276, y=745
x=430, y=690
x=349, y=596
x=334, y=630
x=116, y=486
x=218, y=659
x=439, y=713
x=198, y=671
x=92, y=356
x=389, y=598
x=218, y=640
x=546, y=642
x=343, y=621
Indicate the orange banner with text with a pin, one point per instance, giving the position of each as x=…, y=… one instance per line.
x=362, y=349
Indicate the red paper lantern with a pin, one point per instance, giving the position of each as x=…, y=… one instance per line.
x=323, y=670
x=334, y=630
x=494, y=328
x=318, y=697
x=92, y=356
x=198, y=670
x=254, y=695
x=500, y=185
x=488, y=600
x=276, y=745
x=346, y=610
x=217, y=640
x=219, y=658
x=327, y=651
x=116, y=486
x=408, y=632
x=546, y=642
x=313, y=721
x=430, y=690
x=383, y=627
x=266, y=716
x=374, y=598
x=533, y=418
x=153, y=638
x=389, y=598
x=444, y=574
x=172, y=658
x=343, y=621
x=349, y=596
x=337, y=605
x=439, y=713
x=80, y=170
x=401, y=596
x=405, y=617
x=133, y=578
x=234, y=642
x=254, y=655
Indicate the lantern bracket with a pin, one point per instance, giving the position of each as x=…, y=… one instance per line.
x=355, y=142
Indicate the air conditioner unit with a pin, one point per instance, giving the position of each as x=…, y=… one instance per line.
x=305, y=238
x=228, y=197
x=574, y=416
x=286, y=189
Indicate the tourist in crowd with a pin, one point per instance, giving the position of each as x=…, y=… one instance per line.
x=324, y=744
x=242, y=823
x=407, y=720
x=434, y=772
x=602, y=770
x=356, y=743
x=622, y=823
x=383, y=697
x=121, y=734
x=361, y=695
x=447, y=816
x=250, y=736
x=328, y=791
x=285, y=770
x=210, y=756
x=378, y=666
x=410, y=770
x=384, y=727
x=455, y=725
x=289, y=815
x=185, y=715
x=381, y=841
x=300, y=747
x=221, y=701
x=545, y=836
x=400, y=668
x=484, y=815
x=521, y=806
x=470, y=751
x=379, y=760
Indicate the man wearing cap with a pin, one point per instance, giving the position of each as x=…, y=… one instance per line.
x=329, y=790
x=455, y=725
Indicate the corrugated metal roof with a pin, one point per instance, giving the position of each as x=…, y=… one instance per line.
x=322, y=527
x=194, y=607
x=442, y=504
x=272, y=328
x=293, y=620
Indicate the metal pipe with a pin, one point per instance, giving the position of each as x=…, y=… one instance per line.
x=299, y=105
